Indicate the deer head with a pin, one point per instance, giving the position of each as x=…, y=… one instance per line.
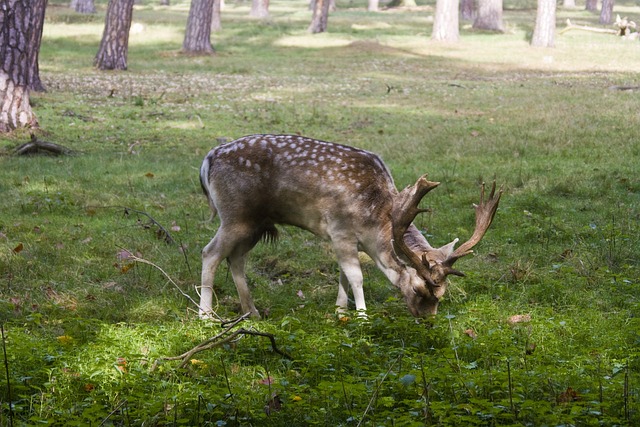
x=433, y=265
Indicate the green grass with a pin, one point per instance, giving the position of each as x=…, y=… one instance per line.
x=83, y=325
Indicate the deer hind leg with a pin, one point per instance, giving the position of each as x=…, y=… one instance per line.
x=232, y=243
x=237, y=262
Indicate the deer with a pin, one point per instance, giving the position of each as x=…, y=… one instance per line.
x=337, y=192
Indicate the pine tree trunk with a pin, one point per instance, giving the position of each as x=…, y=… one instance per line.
x=489, y=16
x=467, y=10
x=320, y=18
x=544, y=31
x=197, y=37
x=446, y=22
x=35, y=37
x=216, y=22
x=591, y=5
x=114, y=47
x=606, y=13
x=83, y=6
x=16, y=20
x=259, y=9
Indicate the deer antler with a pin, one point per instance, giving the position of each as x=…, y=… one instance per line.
x=405, y=209
x=484, y=216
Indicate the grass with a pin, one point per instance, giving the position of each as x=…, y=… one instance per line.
x=84, y=324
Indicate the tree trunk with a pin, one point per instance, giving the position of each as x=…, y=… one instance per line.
x=83, y=6
x=165, y=2
x=446, y=21
x=606, y=13
x=468, y=10
x=591, y=5
x=114, y=47
x=197, y=37
x=259, y=9
x=373, y=5
x=544, y=32
x=16, y=51
x=489, y=16
x=35, y=37
x=216, y=21
x=320, y=18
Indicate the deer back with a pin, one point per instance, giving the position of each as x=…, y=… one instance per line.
x=287, y=179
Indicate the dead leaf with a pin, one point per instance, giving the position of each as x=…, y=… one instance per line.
x=175, y=226
x=300, y=294
x=127, y=267
x=18, y=248
x=471, y=333
x=519, y=318
x=568, y=396
x=121, y=364
x=266, y=381
x=149, y=175
x=3, y=236
x=123, y=255
x=273, y=405
x=87, y=240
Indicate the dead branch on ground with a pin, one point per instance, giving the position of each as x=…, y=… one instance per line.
x=227, y=335
x=161, y=232
x=571, y=26
x=37, y=146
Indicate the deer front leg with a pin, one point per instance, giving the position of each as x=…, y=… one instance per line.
x=350, y=272
x=342, y=302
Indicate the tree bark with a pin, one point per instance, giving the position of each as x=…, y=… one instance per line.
x=373, y=5
x=606, y=13
x=446, y=21
x=16, y=51
x=259, y=9
x=467, y=10
x=35, y=37
x=114, y=47
x=544, y=31
x=591, y=5
x=489, y=16
x=216, y=21
x=197, y=37
x=320, y=18
x=83, y=6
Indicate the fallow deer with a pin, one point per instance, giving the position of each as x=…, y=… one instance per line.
x=337, y=192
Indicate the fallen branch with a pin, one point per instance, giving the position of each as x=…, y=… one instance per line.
x=571, y=26
x=226, y=336
x=36, y=146
x=162, y=232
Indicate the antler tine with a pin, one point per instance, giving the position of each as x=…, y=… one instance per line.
x=485, y=212
x=405, y=209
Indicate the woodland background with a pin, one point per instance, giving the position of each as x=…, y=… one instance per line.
x=544, y=329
